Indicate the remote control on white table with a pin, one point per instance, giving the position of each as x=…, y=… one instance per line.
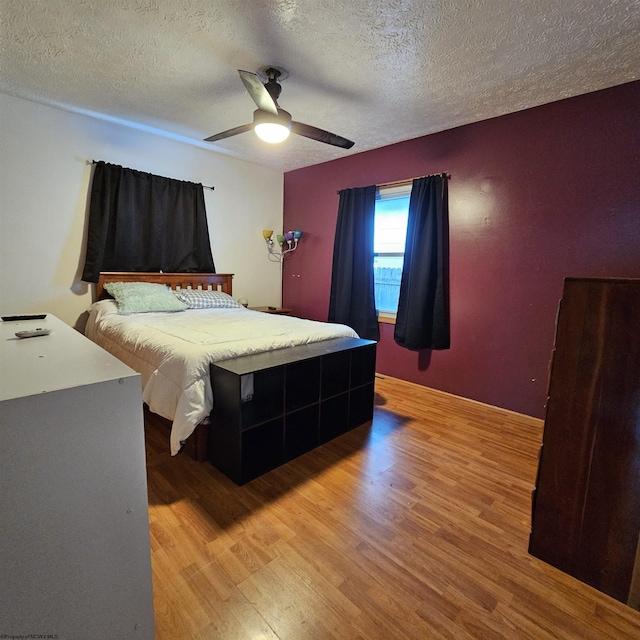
x=33, y=333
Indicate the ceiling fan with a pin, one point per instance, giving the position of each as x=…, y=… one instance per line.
x=270, y=122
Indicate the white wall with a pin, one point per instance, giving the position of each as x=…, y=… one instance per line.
x=45, y=171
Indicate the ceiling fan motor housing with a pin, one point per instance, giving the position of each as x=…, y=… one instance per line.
x=264, y=117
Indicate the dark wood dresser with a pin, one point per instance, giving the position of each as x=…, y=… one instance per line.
x=586, y=504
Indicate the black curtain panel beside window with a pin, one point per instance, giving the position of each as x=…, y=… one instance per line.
x=142, y=222
x=352, y=300
x=422, y=321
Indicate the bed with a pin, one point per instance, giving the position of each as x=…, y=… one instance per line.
x=173, y=351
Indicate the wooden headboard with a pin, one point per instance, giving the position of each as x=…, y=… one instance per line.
x=215, y=281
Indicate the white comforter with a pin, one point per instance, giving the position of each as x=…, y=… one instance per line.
x=172, y=351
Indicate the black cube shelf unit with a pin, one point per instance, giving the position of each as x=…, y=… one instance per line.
x=294, y=400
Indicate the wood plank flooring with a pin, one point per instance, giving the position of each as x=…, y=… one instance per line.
x=413, y=528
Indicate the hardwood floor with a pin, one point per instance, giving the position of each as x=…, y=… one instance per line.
x=413, y=528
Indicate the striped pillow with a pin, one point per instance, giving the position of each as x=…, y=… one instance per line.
x=199, y=299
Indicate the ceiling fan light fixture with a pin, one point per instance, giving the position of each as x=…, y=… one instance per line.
x=270, y=127
x=272, y=132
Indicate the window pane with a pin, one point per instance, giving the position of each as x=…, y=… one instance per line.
x=392, y=212
x=387, y=272
x=391, y=225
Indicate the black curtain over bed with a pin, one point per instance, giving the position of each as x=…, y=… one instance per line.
x=422, y=321
x=352, y=300
x=142, y=222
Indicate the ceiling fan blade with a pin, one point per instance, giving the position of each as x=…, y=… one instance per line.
x=258, y=92
x=229, y=132
x=320, y=135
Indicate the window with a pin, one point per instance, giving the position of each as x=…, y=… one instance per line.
x=392, y=211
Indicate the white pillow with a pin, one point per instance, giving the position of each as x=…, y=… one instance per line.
x=206, y=299
x=143, y=297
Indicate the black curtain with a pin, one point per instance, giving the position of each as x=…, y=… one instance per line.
x=422, y=321
x=142, y=222
x=352, y=300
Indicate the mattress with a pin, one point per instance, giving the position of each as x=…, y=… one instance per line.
x=173, y=351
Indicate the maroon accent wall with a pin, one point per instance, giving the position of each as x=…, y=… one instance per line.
x=534, y=197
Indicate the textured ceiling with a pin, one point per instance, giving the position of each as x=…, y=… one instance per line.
x=374, y=71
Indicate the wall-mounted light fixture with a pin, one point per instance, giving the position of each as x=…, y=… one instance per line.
x=287, y=243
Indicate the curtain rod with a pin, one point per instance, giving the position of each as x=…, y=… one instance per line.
x=408, y=180
x=204, y=186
